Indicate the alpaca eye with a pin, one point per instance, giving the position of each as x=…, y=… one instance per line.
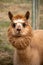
x=24, y=24
x=13, y=25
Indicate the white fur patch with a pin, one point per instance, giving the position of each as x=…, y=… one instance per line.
x=18, y=21
x=19, y=25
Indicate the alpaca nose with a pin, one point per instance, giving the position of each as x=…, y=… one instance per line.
x=18, y=29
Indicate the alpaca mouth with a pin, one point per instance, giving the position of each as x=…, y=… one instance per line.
x=18, y=34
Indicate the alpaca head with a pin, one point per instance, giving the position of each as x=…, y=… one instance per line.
x=19, y=31
x=19, y=24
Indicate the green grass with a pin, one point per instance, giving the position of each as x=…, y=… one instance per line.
x=5, y=1
x=4, y=24
x=15, y=1
x=5, y=46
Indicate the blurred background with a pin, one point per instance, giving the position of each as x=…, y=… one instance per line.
x=35, y=8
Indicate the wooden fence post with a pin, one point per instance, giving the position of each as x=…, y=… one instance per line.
x=35, y=14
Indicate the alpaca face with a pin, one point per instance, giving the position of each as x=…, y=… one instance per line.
x=19, y=27
x=19, y=24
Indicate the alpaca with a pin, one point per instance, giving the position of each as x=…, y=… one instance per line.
x=28, y=43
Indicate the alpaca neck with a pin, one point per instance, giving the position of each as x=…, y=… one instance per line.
x=24, y=55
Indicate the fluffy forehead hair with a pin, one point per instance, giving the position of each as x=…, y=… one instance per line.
x=18, y=16
x=26, y=16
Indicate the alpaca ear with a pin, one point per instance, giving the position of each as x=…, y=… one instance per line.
x=10, y=15
x=27, y=15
